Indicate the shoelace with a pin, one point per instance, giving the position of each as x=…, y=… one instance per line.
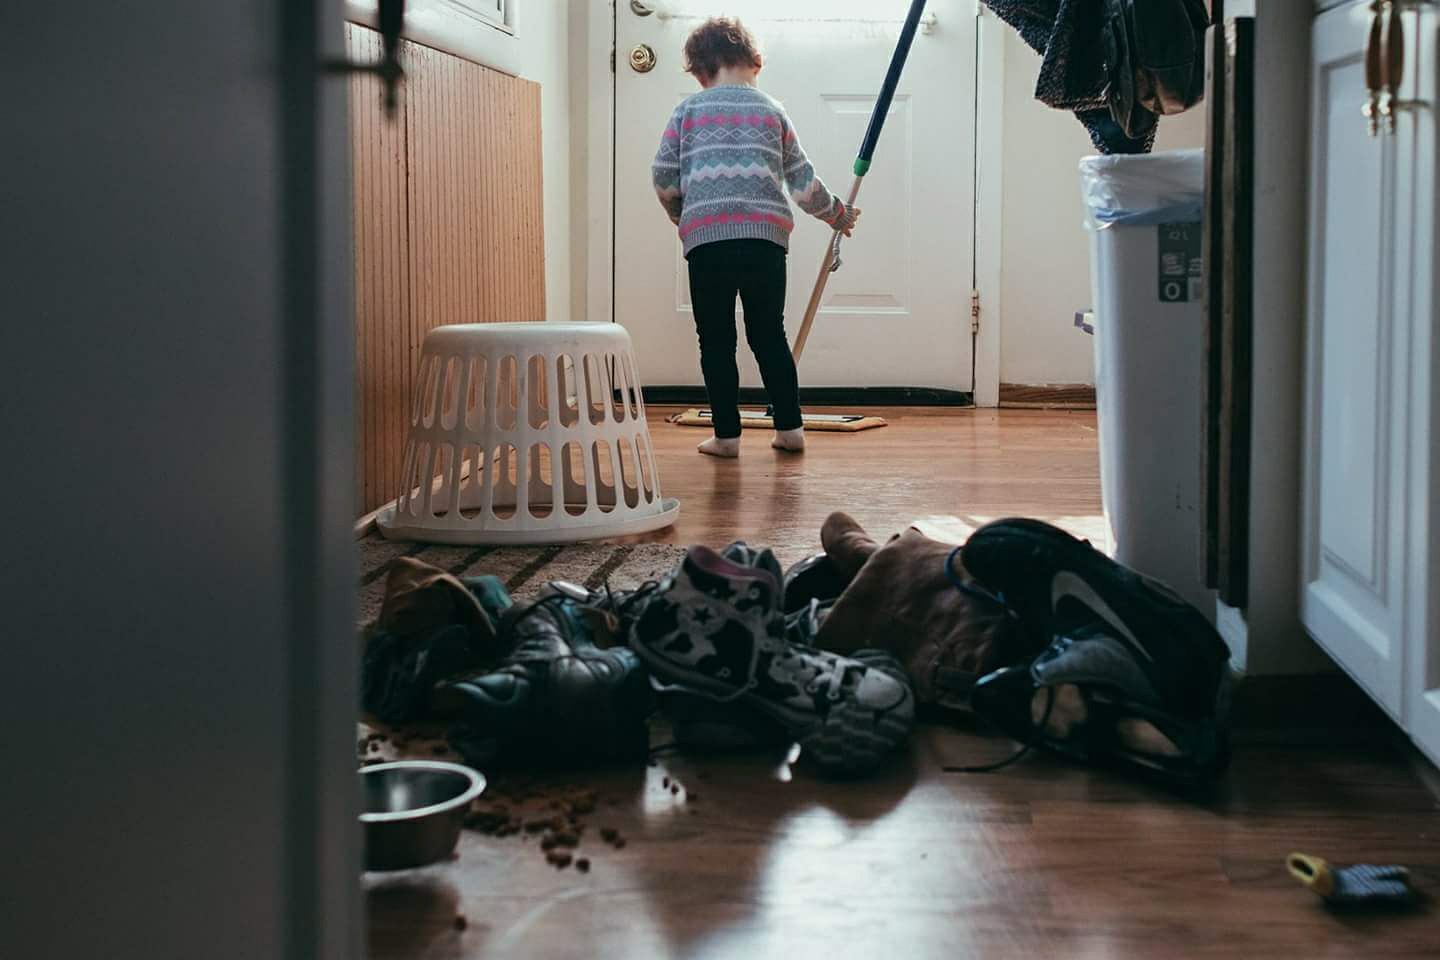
x=829, y=669
x=1037, y=733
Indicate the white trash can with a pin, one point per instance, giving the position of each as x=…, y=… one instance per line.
x=1145, y=277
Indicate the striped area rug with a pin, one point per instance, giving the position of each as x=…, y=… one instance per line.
x=523, y=569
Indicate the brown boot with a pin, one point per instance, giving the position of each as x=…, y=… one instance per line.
x=846, y=544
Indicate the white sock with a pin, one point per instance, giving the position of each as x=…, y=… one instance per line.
x=721, y=447
x=792, y=440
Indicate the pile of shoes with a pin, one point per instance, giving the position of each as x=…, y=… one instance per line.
x=1036, y=633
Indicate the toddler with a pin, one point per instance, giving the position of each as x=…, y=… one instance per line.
x=726, y=161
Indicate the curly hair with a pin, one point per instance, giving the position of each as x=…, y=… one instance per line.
x=720, y=42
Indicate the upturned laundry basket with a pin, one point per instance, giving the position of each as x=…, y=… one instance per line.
x=524, y=433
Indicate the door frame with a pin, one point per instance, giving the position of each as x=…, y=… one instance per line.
x=600, y=118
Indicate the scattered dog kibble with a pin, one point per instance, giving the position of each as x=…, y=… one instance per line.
x=583, y=865
x=674, y=789
x=609, y=834
x=559, y=858
x=460, y=922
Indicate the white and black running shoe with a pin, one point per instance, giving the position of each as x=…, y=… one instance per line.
x=715, y=629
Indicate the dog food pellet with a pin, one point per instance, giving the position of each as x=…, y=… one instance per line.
x=674, y=789
x=460, y=922
x=583, y=865
x=609, y=834
x=559, y=858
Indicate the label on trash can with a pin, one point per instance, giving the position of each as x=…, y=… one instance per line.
x=1180, y=264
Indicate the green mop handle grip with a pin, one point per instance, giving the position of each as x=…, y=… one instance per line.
x=887, y=92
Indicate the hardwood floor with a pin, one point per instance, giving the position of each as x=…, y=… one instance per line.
x=747, y=857
x=967, y=463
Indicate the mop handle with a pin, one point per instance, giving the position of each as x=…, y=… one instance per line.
x=862, y=164
x=818, y=293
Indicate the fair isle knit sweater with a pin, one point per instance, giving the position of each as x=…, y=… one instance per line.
x=726, y=160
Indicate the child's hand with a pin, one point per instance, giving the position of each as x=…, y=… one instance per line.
x=845, y=222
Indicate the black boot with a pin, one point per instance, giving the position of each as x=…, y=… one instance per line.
x=557, y=699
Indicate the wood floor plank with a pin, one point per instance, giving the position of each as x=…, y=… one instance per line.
x=746, y=856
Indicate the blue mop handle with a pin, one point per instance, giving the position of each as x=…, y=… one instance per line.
x=887, y=91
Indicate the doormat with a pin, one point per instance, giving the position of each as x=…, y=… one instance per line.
x=523, y=570
x=834, y=422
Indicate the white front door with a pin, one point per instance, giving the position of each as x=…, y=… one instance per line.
x=897, y=313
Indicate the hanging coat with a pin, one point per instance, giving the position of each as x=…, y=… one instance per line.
x=1117, y=64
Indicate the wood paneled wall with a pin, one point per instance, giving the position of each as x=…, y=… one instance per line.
x=449, y=227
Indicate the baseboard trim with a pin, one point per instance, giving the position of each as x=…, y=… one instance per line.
x=687, y=396
x=1319, y=708
x=367, y=524
x=1047, y=396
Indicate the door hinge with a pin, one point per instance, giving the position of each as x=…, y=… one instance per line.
x=974, y=311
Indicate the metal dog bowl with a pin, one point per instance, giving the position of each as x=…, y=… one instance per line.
x=414, y=810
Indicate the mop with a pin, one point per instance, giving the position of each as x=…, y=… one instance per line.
x=842, y=422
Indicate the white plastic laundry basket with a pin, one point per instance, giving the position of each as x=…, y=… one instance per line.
x=527, y=433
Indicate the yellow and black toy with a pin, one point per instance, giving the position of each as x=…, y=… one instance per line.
x=1360, y=883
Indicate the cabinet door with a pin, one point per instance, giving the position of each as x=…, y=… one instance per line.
x=1419, y=136
x=1353, y=564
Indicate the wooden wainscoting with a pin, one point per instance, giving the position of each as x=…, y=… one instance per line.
x=449, y=227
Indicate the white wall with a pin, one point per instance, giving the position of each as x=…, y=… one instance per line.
x=543, y=35
x=1045, y=259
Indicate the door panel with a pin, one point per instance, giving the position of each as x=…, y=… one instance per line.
x=1422, y=689
x=1357, y=375
x=897, y=312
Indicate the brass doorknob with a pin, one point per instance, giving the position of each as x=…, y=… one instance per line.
x=642, y=58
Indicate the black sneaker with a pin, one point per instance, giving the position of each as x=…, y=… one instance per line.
x=814, y=579
x=1056, y=584
x=1089, y=698
x=557, y=699
x=714, y=629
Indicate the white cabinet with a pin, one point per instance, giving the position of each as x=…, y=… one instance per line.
x=1369, y=532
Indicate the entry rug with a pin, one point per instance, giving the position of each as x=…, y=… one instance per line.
x=524, y=570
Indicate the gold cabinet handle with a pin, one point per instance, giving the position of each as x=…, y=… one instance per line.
x=1374, y=69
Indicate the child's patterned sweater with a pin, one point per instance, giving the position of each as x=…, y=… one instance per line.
x=727, y=158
